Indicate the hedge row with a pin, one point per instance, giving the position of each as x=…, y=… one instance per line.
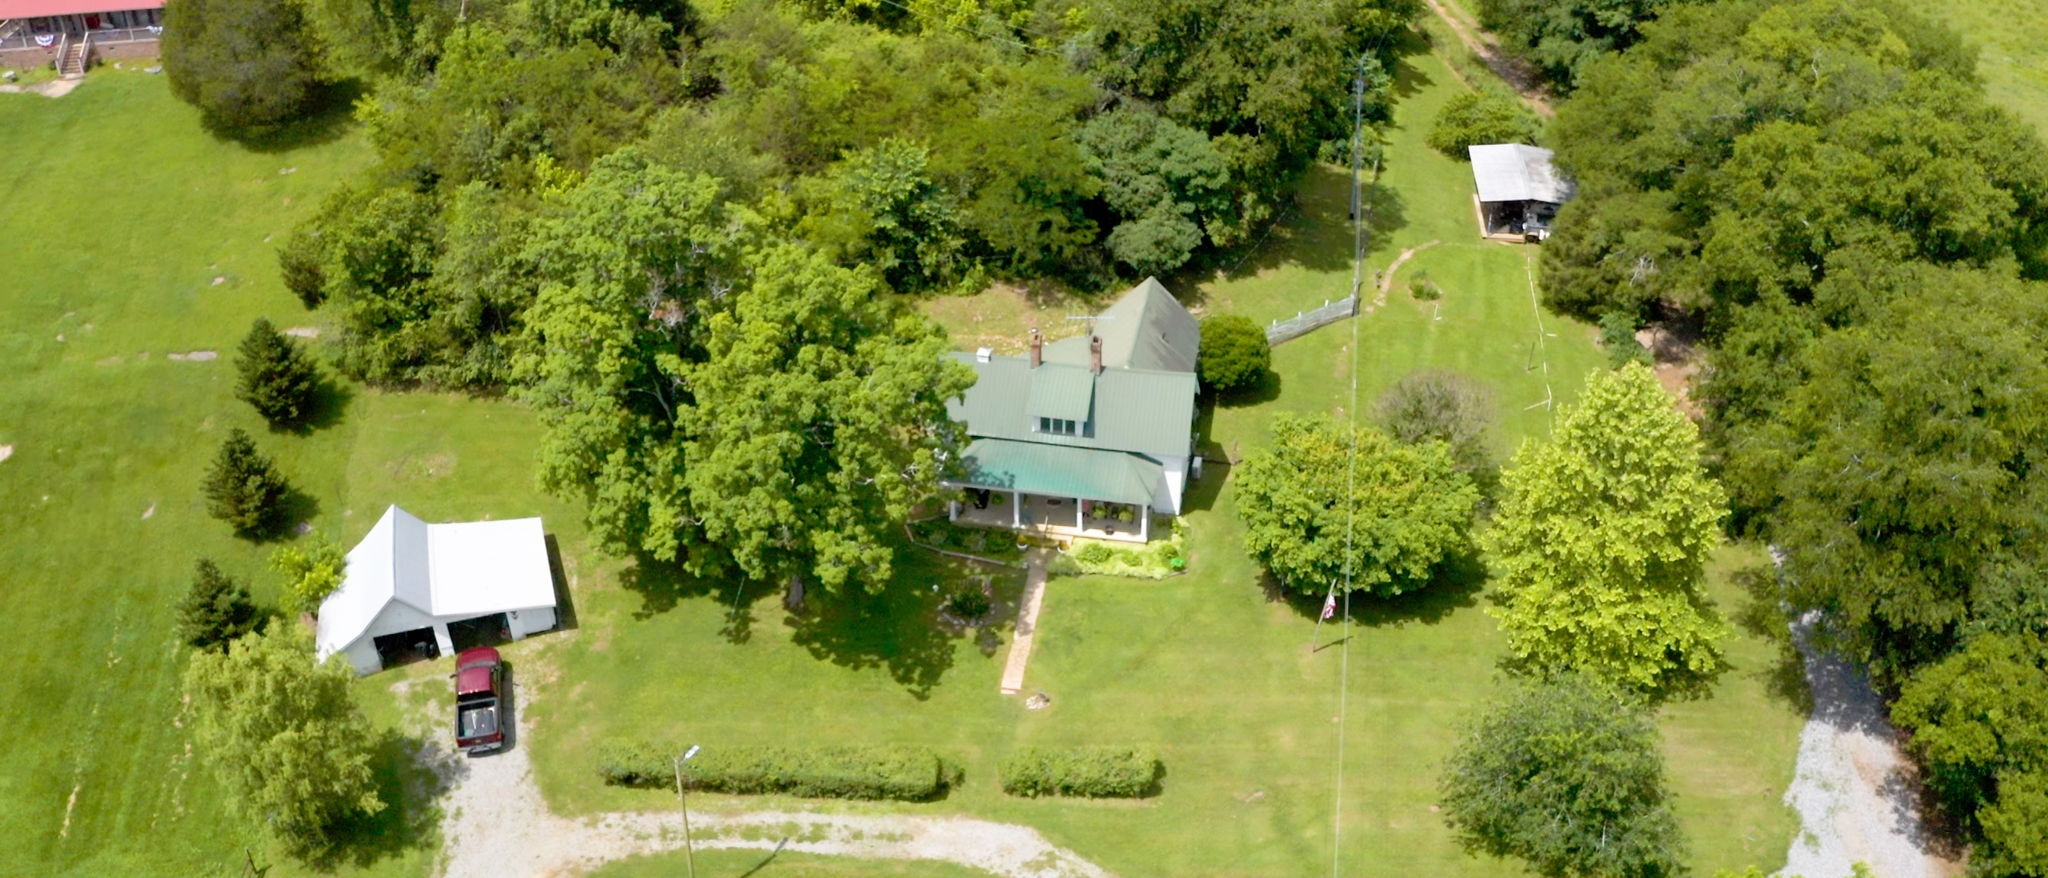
x=899, y=772
x=1090, y=772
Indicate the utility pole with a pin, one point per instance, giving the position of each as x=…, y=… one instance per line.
x=1357, y=199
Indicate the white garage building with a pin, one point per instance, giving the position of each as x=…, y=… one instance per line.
x=413, y=587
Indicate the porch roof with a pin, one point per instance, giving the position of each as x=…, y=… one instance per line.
x=44, y=8
x=1063, y=471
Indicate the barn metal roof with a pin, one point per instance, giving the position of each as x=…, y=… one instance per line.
x=1517, y=172
x=447, y=571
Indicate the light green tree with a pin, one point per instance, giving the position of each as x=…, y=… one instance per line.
x=1600, y=544
x=285, y=735
x=1408, y=506
x=311, y=573
x=820, y=421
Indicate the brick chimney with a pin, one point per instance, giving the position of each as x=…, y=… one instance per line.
x=1095, y=354
x=1037, y=348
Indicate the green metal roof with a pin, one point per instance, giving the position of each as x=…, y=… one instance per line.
x=1061, y=392
x=1057, y=471
x=1145, y=329
x=1150, y=413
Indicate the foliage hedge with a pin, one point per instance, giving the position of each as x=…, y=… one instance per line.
x=1088, y=772
x=898, y=772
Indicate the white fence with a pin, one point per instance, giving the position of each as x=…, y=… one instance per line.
x=1305, y=322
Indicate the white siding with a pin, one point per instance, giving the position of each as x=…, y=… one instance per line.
x=530, y=621
x=362, y=655
x=1168, y=500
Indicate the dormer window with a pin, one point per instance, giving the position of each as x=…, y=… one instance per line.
x=1058, y=426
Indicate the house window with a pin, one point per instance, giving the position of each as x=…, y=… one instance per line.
x=1057, y=426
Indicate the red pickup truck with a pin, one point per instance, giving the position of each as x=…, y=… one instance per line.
x=479, y=699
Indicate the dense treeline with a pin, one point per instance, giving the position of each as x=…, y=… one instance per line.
x=1561, y=37
x=937, y=144
x=1863, y=238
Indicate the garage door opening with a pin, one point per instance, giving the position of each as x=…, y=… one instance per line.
x=490, y=630
x=405, y=647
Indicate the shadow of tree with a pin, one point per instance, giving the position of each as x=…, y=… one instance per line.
x=896, y=630
x=1454, y=585
x=1762, y=614
x=329, y=402
x=330, y=116
x=281, y=524
x=1267, y=390
x=661, y=585
x=412, y=775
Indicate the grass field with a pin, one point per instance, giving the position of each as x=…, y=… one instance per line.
x=2012, y=41
x=100, y=520
x=133, y=234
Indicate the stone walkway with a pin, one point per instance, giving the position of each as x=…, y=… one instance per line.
x=1027, y=622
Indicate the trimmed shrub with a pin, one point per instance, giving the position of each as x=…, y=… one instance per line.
x=898, y=772
x=1087, y=772
x=969, y=602
x=1234, y=353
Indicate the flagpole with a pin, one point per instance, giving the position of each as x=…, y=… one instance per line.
x=1324, y=613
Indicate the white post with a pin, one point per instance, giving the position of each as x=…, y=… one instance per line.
x=1016, y=509
x=1145, y=525
x=953, y=510
x=442, y=640
x=1080, y=521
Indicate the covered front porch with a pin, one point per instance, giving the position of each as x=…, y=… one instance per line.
x=1056, y=517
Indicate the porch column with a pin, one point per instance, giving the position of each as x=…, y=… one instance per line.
x=442, y=640
x=1145, y=524
x=953, y=510
x=1080, y=521
x=1016, y=509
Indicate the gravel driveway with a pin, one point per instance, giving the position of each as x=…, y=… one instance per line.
x=1852, y=788
x=497, y=825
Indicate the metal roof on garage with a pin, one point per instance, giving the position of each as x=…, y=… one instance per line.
x=1517, y=172
x=1057, y=471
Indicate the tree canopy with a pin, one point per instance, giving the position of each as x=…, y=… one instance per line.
x=244, y=489
x=216, y=609
x=1600, y=542
x=1234, y=355
x=1315, y=520
x=1475, y=117
x=1563, y=37
x=275, y=377
x=286, y=736
x=1565, y=776
x=248, y=65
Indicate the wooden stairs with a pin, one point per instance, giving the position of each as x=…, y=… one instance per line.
x=72, y=56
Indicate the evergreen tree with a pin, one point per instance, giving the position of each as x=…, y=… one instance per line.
x=246, y=64
x=276, y=376
x=216, y=610
x=244, y=489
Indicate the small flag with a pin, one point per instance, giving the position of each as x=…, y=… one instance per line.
x=1330, y=605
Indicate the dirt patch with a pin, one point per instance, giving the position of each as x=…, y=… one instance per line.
x=1517, y=75
x=1001, y=316
x=1675, y=358
x=6, y=451
x=1379, y=298
x=302, y=331
x=194, y=356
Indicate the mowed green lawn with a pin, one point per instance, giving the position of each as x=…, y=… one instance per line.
x=2012, y=39
x=766, y=864
x=133, y=234
x=1205, y=667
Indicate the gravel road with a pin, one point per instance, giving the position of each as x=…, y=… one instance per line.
x=1853, y=790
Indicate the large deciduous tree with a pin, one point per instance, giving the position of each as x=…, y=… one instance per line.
x=286, y=736
x=1561, y=37
x=1327, y=505
x=1163, y=181
x=1600, y=542
x=1440, y=406
x=820, y=421
x=246, y=64
x=879, y=206
x=1475, y=117
x=630, y=261
x=1566, y=777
